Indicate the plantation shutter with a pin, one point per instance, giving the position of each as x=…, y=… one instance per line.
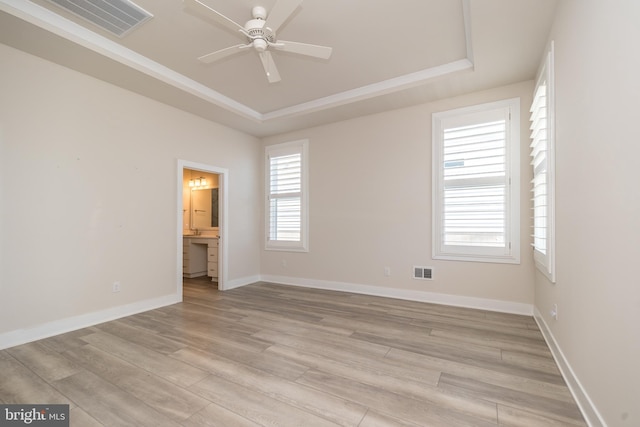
x=539, y=161
x=285, y=197
x=475, y=183
x=543, y=163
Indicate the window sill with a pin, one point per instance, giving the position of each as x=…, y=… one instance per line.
x=478, y=258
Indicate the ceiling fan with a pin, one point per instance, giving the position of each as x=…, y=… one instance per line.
x=260, y=34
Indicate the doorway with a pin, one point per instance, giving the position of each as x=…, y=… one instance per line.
x=206, y=221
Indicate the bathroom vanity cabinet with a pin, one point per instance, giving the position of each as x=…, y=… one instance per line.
x=200, y=257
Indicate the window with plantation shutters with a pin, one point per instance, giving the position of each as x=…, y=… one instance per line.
x=475, y=206
x=542, y=161
x=286, y=178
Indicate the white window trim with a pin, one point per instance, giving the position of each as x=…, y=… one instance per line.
x=301, y=146
x=511, y=253
x=545, y=262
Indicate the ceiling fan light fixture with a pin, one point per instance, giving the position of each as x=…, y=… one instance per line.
x=260, y=45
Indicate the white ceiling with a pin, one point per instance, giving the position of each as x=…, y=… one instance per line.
x=386, y=54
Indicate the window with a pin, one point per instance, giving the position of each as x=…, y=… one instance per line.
x=543, y=162
x=287, y=200
x=476, y=154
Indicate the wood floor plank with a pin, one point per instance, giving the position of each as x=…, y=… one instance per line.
x=79, y=418
x=290, y=311
x=19, y=384
x=360, y=368
x=531, y=361
x=373, y=419
x=250, y=356
x=217, y=416
x=416, y=362
x=63, y=342
x=275, y=323
x=149, y=360
x=308, y=399
x=204, y=317
x=209, y=339
x=402, y=407
x=495, y=365
x=165, y=397
x=258, y=407
x=382, y=325
x=109, y=404
x=432, y=321
x=325, y=344
x=275, y=355
x=527, y=346
x=153, y=321
x=45, y=362
x=377, y=378
x=513, y=417
x=552, y=408
x=432, y=347
x=145, y=338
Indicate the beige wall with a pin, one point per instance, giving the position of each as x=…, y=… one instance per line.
x=598, y=203
x=89, y=193
x=370, y=208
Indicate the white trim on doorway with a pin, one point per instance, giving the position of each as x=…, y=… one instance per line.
x=223, y=183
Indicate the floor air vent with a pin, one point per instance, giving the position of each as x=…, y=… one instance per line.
x=119, y=17
x=424, y=273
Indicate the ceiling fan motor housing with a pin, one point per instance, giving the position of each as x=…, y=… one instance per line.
x=259, y=33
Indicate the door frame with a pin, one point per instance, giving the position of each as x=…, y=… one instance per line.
x=223, y=185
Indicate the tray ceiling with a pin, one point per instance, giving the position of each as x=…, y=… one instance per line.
x=386, y=54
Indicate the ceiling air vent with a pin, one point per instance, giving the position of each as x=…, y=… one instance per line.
x=424, y=273
x=119, y=17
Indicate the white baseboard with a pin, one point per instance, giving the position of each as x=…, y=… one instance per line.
x=430, y=297
x=23, y=336
x=588, y=409
x=236, y=283
x=56, y=327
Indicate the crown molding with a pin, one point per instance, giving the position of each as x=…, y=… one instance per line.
x=370, y=91
x=56, y=24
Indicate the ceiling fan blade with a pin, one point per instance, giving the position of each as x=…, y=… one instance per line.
x=316, y=51
x=269, y=67
x=203, y=11
x=223, y=53
x=280, y=12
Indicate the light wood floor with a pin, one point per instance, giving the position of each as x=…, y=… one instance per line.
x=271, y=355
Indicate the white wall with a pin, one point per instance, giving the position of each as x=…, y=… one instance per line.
x=598, y=204
x=88, y=185
x=370, y=197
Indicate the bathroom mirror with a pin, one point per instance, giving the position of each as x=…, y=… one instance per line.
x=204, y=208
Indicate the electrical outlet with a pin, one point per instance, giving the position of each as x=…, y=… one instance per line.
x=387, y=271
x=554, y=311
x=115, y=287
